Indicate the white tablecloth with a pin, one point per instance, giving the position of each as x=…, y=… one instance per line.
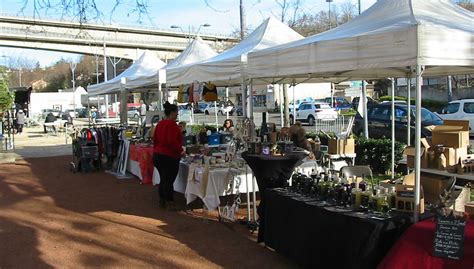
x=218, y=184
x=179, y=184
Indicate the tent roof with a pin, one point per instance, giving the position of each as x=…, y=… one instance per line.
x=229, y=67
x=142, y=73
x=197, y=51
x=384, y=41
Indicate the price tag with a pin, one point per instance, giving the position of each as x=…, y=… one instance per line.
x=449, y=238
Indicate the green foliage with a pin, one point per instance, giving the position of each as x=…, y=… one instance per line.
x=196, y=129
x=397, y=98
x=428, y=104
x=377, y=153
x=6, y=97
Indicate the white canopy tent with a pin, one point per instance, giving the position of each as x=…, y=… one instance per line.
x=384, y=41
x=196, y=51
x=393, y=38
x=229, y=67
x=142, y=73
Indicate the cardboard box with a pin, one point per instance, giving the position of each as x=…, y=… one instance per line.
x=410, y=153
x=433, y=186
x=453, y=133
x=349, y=145
x=341, y=146
x=333, y=146
x=405, y=200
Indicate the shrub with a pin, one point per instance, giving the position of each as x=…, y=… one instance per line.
x=377, y=153
x=428, y=104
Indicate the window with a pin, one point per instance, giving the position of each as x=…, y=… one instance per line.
x=400, y=113
x=318, y=106
x=380, y=113
x=428, y=116
x=451, y=108
x=469, y=108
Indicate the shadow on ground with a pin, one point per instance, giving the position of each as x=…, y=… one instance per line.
x=97, y=220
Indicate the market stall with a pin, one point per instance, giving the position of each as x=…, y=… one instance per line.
x=415, y=40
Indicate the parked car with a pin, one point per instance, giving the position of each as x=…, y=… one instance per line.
x=459, y=110
x=380, y=122
x=71, y=113
x=310, y=111
x=45, y=112
x=82, y=112
x=338, y=102
x=355, y=102
x=222, y=109
x=133, y=112
x=200, y=107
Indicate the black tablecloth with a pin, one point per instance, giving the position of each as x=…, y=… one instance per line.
x=318, y=237
x=270, y=172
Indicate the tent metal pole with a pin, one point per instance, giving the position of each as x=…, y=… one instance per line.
x=106, y=106
x=294, y=103
x=244, y=100
x=251, y=101
x=393, y=128
x=408, y=111
x=364, y=107
x=450, y=89
x=417, y=142
x=280, y=89
x=227, y=101
x=88, y=110
x=215, y=113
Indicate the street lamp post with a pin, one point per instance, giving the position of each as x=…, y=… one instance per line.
x=73, y=71
x=189, y=34
x=329, y=11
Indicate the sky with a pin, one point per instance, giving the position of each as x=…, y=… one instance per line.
x=222, y=15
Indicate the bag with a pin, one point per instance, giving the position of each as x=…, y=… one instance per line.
x=209, y=92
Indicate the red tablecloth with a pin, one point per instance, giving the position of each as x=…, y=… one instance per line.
x=143, y=154
x=413, y=250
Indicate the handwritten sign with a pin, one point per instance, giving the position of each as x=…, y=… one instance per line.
x=449, y=238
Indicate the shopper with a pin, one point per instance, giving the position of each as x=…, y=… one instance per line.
x=49, y=119
x=20, y=121
x=228, y=126
x=182, y=125
x=167, y=151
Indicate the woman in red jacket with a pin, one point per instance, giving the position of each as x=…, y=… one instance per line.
x=167, y=151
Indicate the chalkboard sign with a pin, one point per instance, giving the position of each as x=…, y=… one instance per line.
x=449, y=238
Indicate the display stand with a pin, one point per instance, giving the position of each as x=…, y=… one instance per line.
x=270, y=172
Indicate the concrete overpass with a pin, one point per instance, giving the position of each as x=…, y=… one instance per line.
x=123, y=42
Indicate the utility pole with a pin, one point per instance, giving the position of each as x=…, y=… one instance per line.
x=242, y=20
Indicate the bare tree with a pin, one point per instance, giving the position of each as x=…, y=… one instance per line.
x=467, y=4
x=286, y=6
x=347, y=12
x=83, y=10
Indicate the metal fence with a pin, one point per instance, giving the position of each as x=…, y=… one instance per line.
x=339, y=125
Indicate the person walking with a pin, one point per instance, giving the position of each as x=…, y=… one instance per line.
x=50, y=118
x=20, y=121
x=167, y=151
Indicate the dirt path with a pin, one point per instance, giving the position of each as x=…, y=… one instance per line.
x=50, y=217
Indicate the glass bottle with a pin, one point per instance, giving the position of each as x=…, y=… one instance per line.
x=356, y=195
x=366, y=198
x=392, y=197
